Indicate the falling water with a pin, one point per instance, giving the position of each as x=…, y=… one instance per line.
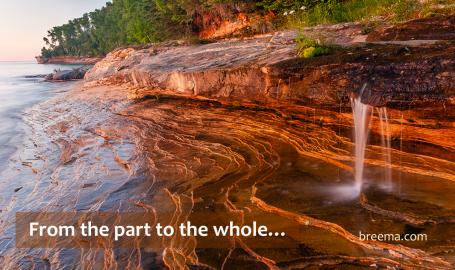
x=401, y=150
x=361, y=114
x=386, y=145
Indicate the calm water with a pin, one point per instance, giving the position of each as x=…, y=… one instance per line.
x=20, y=89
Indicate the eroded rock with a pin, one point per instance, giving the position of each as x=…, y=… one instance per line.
x=266, y=70
x=67, y=75
x=393, y=75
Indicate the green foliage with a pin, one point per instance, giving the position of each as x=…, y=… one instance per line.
x=130, y=22
x=308, y=48
x=337, y=11
x=315, y=51
x=119, y=23
x=404, y=9
x=287, y=5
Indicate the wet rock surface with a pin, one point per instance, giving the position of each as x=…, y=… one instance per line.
x=244, y=130
x=288, y=167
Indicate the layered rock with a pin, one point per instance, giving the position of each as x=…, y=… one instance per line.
x=393, y=76
x=266, y=69
x=230, y=69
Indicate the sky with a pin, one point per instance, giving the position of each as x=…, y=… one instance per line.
x=24, y=23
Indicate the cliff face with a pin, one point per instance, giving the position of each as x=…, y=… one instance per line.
x=228, y=70
x=229, y=19
x=225, y=70
x=411, y=77
x=393, y=76
x=266, y=69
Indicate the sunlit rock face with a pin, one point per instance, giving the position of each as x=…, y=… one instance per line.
x=289, y=167
x=222, y=70
x=266, y=70
x=243, y=130
x=288, y=123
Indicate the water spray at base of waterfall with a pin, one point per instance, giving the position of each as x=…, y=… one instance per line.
x=361, y=114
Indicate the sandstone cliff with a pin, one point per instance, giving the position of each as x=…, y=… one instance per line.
x=265, y=69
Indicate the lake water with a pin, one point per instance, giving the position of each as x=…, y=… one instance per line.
x=20, y=89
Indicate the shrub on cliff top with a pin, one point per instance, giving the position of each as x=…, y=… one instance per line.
x=288, y=5
x=308, y=47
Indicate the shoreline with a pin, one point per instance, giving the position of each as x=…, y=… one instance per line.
x=68, y=60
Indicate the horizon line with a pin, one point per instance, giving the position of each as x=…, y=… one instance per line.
x=18, y=60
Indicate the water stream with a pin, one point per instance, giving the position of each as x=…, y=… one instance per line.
x=386, y=146
x=361, y=115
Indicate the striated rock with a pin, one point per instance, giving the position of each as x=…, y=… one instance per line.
x=344, y=34
x=283, y=168
x=222, y=69
x=284, y=165
x=266, y=69
x=393, y=75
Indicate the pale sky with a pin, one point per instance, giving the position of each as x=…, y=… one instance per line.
x=24, y=23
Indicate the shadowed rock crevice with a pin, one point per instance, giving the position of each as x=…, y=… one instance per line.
x=432, y=28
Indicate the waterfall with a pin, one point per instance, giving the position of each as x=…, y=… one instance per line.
x=386, y=145
x=361, y=114
x=401, y=150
